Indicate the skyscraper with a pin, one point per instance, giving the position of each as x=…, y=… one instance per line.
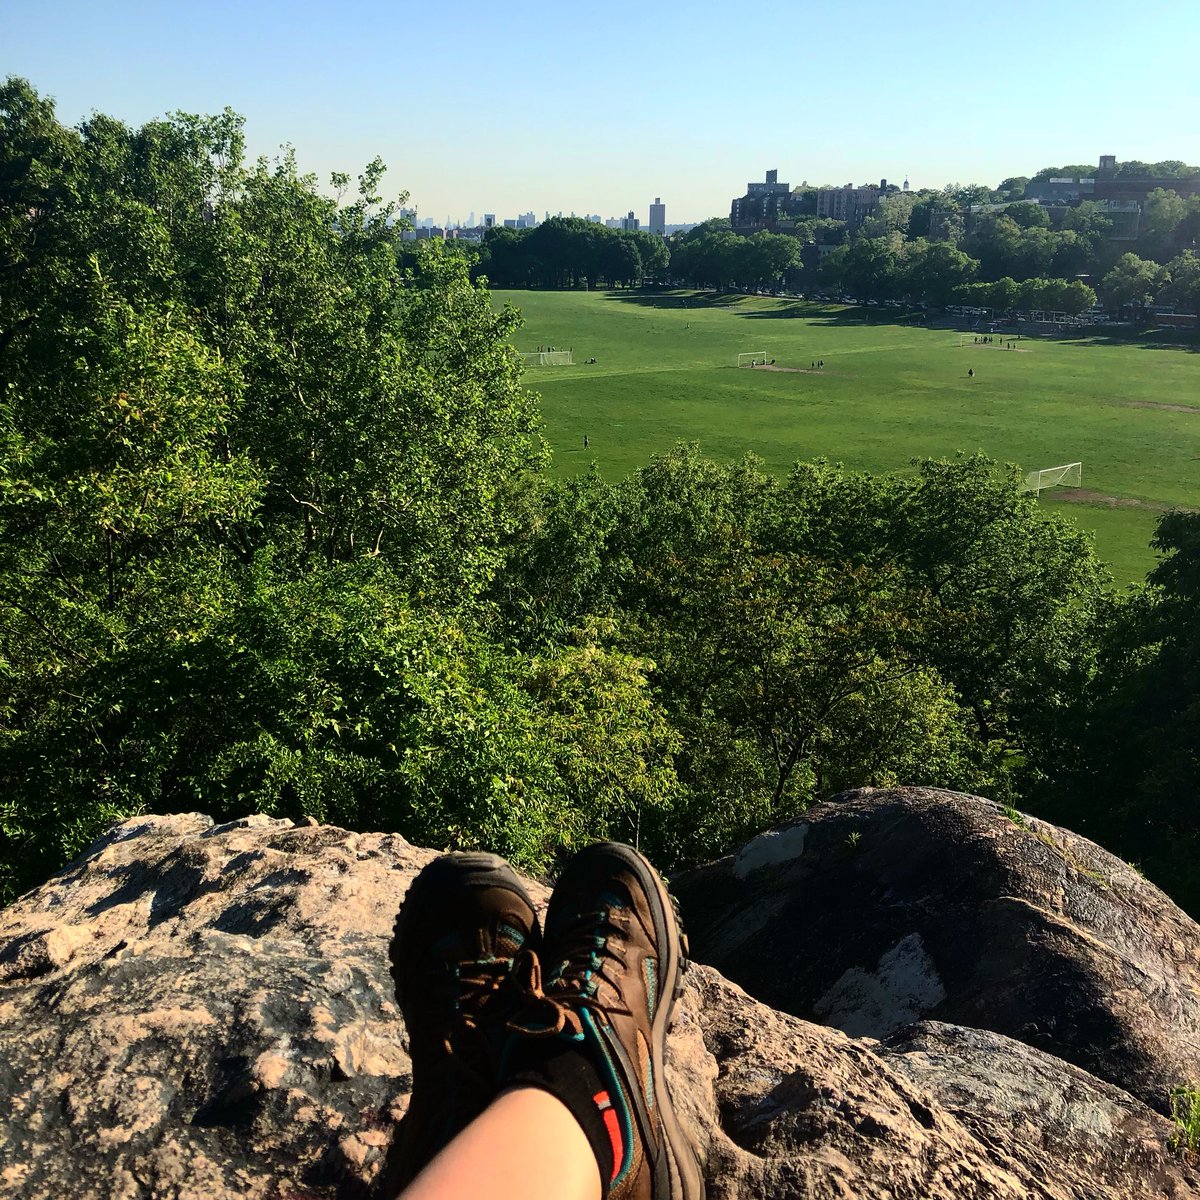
x=658, y=217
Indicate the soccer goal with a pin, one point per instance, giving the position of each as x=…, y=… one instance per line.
x=549, y=358
x=1068, y=475
x=757, y=356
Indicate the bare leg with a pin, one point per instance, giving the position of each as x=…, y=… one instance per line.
x=525, y=1145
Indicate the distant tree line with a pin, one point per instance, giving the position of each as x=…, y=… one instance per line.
x=276, y=536
x=569, y=252
x=928, y=246
x=923, y=247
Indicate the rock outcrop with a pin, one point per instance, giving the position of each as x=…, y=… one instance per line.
x=195, y=1011
x=882, y=907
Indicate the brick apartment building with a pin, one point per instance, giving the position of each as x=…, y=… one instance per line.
x=852, y=204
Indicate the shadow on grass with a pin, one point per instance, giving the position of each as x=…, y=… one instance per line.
x=784, y=308
x=681, y=298
x=750, y=306
x=1182, y=341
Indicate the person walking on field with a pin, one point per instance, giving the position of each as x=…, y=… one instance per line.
x=586, y=443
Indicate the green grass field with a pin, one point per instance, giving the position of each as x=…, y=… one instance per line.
x=888, y=393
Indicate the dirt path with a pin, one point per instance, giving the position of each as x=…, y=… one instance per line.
x=1087, y=496
x=1188, y=408
x=798, y=370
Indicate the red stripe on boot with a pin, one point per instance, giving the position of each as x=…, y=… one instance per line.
x=604, y=1104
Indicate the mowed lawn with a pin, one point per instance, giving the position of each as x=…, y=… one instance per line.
x=888, y=393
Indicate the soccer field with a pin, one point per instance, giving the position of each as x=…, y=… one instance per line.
x=665, y=371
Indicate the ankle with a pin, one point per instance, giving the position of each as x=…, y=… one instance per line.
x=562, y=1068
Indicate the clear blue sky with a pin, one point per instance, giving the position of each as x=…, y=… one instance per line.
x=505, y=107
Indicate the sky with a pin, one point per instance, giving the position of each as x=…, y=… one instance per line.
x=505, y=108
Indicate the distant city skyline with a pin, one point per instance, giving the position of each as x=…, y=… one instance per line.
x=553, y=109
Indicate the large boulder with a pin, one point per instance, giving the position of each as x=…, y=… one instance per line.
x=882, y=907
x=204, y=1011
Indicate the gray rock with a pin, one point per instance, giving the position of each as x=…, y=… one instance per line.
x=195, y=1011
x=881, y=907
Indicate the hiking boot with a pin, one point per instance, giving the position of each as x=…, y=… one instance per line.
x=464, y=919
x=612, y=961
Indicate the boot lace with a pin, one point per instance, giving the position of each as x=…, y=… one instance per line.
x=476, y=983
x=587, y=956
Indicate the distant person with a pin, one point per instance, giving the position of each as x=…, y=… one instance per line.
x=586, y=443
x=970, y=375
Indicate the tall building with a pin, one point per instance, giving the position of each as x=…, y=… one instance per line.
x=852, y=204
x=658, y=217
x=763, y=205
x=489, y=220
x=630, y=222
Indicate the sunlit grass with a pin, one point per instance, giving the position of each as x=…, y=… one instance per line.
x=888, y=393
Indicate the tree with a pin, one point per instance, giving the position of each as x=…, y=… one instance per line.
x=1074, y=171
x=506, y=258
x=892, y=214
x=1162, y=213
x=998, y=242
x=1090, y=220
x=767, y=257
x=1183, y=289
x=932, y=270
x=869, y=269
x=1012, y=188
x=1077, y=297
x=653, y=253
x=620, y=261
x=1004, y=294
x=1128, y=768
x=1071, y=254
x=968, y=194
x=830, y=630
x=219, y=386
x=1133, y=282
x=712, y=258
x=1028, y=215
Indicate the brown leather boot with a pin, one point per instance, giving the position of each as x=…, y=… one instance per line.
x=464, y=919
x=612, y=960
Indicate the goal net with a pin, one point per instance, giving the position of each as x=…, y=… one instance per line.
x=1068, y=475
x=549, y=358
x=747, y=360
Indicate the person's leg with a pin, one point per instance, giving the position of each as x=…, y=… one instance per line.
x=554, y=1093
x=463, y=921
x=526, y=1145
x=596, y=1035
